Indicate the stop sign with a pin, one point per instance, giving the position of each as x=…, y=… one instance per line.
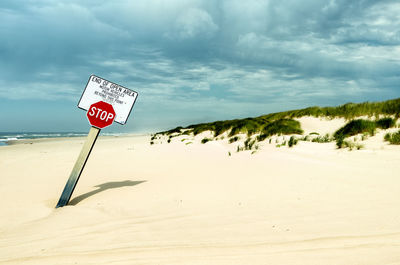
x=101, y=114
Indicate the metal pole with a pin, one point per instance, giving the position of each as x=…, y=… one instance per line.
x=78, y=167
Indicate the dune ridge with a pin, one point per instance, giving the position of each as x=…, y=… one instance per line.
x=347, y=125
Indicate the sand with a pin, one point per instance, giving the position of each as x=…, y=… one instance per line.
x=138, y=203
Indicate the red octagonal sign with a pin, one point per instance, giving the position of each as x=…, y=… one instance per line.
x=101, y=114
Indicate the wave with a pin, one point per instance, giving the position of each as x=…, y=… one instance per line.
x=14, y=136
x=35, y=135
x=8, y=139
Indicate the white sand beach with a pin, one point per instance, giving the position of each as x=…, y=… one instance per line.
x=137, y=203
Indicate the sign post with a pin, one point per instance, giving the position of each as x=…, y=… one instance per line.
x=104, y=102
x=78, y=168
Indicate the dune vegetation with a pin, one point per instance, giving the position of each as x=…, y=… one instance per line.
x=284, y=123
x=393, y=138
x=366, y=127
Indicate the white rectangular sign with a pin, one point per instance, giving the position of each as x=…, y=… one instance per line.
x=99, y=89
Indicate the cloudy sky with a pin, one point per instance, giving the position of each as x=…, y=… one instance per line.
x=193, y=61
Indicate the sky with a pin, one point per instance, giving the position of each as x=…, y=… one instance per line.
x=193, y=61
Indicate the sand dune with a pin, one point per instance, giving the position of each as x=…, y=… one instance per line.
x=138, y=203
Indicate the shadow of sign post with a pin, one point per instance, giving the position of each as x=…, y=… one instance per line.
x=104, y=187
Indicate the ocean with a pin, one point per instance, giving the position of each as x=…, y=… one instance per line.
x=9, y=136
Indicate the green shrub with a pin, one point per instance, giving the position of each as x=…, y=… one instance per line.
x=292, y=141
x=355, y=127
x=385, y=123
x=365, y=127
x=239, y=148
x=205, y=140
x=327, y=138
x=176, y=130
x=322, y=139
x=234, y=139
x=340, y=142
x=359, y=146
x=352, y=128
x=387, y=137
x=351, y=145
x=393, y=138
x=348, y=144
x=282, y=126
x=249, y=143
x=248, y=126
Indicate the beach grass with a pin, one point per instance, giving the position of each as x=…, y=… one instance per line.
x=366, y=127
x=284, y=123
x=282, y=126
x=393, y=138
x=292, y=141
x=205, y=140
